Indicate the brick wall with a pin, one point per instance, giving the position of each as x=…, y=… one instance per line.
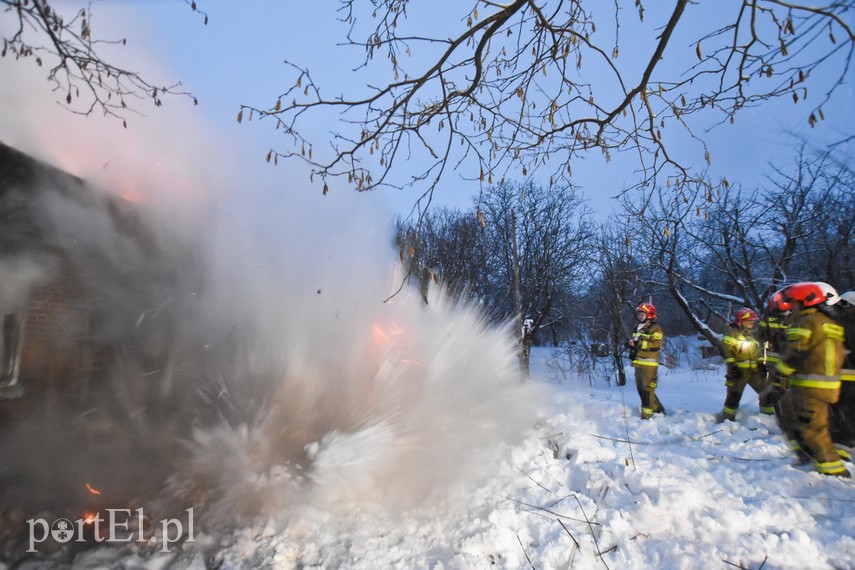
x=54, y=352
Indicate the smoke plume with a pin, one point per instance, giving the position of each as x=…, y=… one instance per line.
x=257, y=359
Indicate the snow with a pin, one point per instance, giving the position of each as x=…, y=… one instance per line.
x=590, y=485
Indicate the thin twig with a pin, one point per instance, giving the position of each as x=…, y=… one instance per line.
x=567, y=530
x=698, y=437
x=553, y=503
x=524, y=552
x=533, y=481
x=626, y=430
x=551, y=512
x=619, y=440
x=607, y=550
x=590, y=525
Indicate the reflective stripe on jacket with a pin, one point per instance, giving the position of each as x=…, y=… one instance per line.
x=813, y=356
x=648, y=339
x=772, y=336
x=741, y=348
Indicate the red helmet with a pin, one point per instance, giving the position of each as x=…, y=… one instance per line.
x=648, y=309
x=777, y=303
x=811, y=293
x=744, y=315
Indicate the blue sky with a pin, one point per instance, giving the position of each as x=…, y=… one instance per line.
x=237, y=58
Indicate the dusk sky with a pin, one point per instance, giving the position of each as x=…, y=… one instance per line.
x=237, y=58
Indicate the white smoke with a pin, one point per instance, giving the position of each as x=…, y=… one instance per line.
x=20, y=275
x=292, y=379
x=399, y=406
x=367, y=401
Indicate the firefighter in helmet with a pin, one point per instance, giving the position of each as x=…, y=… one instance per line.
x=812, y=361
x=742, y=356
x=644, y=349
x=772, y=335
x=842, y=421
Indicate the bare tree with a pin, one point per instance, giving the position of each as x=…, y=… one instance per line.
x=448, y=247
x=727, y=257
x=741, y=246
x=62, y=41
x=497, y=90
x=662, y=222
x=834, y=260
x=615, y=291
x=520, y=252
x=806, y=228
x=544, y=238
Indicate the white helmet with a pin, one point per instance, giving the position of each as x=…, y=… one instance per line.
x=831, y=296
x=848, y=298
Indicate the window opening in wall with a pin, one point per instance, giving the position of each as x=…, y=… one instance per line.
x=10, y=357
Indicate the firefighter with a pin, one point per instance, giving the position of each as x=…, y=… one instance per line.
x=772, y=335
x=742, y=356
x=644, y=349
x=811, y=362
x=842, y=422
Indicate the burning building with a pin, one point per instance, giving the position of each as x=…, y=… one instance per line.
x=93, y=297
x=85, y=283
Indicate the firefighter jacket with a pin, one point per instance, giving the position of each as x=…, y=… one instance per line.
x=847, y=320
x=772, y=336
x=648, y=338
x=741, y=351
x=813, y=356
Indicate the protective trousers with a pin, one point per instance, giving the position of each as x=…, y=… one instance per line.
x=806, y=415
x=736, y=386
x=788, y=422
x=842, y=420
x=645, y=382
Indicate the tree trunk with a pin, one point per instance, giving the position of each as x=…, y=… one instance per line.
x=525, y=336
x=617, y=355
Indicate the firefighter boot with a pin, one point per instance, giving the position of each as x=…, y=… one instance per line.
x=845, y=474
x=721, y=417
x=844, y=451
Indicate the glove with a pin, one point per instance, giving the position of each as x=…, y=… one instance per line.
x=773, y=394
x=732, y=371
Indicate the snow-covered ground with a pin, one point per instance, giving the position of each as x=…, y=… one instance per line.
x=589, y=486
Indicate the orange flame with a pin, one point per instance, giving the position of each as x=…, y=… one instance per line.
x=379, y=336
x=92, y=490
x=89, y=517
x=384, y=334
